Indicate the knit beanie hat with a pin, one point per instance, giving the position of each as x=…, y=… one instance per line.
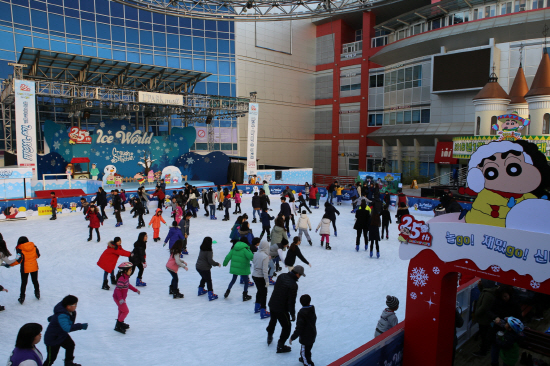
x=392, y=302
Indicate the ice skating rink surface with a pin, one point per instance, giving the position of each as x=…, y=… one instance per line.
x=348, y=290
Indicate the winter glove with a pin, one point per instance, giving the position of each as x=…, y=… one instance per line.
x=164, y=244
x=267, y=285
x=6, y=265
x=121, y=301
x=84, y=326
x=144, y=265
x=138, y=292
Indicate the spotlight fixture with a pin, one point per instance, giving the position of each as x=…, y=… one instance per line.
x=249, y=4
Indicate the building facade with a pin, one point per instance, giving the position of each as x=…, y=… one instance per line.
x=108, y=30
x=392, y=86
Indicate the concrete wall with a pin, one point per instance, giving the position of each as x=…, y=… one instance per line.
x=277, y=60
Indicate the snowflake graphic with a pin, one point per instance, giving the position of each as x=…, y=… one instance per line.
x=56, y=134
x=123, y=128
x=413, y=295
x=10, y=188
x=67, y=151
x=107, y=158
x=207, y=160
x=535, y=284
x=97, y=153
x=164, y=144
x=53, y=162
x=139, y=151
x=167, y=150
x=495, y=268
x=419, y=276
x=425, y=228
x=190, y=160
x=436, y=270
x=56, y=145
x=158, y=147
x=155, y=141
x=175, y=145
x=102, y=124
x=109, y=132
x=181, y=138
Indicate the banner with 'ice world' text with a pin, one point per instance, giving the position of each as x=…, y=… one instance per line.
x=252, y=139
x=525, y=252
x=25, y=124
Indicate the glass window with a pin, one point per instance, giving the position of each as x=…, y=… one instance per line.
x=520, y=5
x=506, y=8
x=160, y=39
x=399, y=118
x=490, y=11
x=478, y=14
x=372, y=81
x=401, y=75
x=103, y=31
x=56, y=22
x=408, y=73
x=380, y=80
x=353, y=163
x=416, y=116
x=425, y=116
x=6, y=41
x=197, y=23
x=457, y=18
x=392, y=118
x=538, y=4
x=417, y=72
x=417, y=28
x=198, y=43
x=39, y=19
x=372, y=119
x=72, y=24
x=146, y=37
x=21, y=15
x=386, y=119
x=88, y=28
x=118, y=33
x=407, y=117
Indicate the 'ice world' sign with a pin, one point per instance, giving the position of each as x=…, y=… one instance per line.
x=136, y=137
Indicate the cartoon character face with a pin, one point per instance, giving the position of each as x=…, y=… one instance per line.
x=109, y=169
x=405, y=231
x=508, y=172
x=138, y=176
x=510, y=124
x=93, y=166
x=118, y=179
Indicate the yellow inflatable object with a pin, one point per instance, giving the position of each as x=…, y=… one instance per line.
x=22, y=209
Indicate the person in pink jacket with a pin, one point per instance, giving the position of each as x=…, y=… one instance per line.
x=178, y=212
x=173, y=264
x=238, y=200
x=121, y=291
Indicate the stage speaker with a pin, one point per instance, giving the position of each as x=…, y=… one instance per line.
x=235, y=172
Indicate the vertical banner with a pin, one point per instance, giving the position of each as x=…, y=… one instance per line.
x=25, y=124
x=252, y=139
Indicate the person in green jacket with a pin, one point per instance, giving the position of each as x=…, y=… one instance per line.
x=240, y=256
x=483, y=317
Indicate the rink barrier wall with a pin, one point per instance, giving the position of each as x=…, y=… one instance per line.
x=387, y=348
x=424, y=205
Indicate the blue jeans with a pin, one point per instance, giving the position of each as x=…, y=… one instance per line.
x=212, y=210
x=329, y=197
x=339, y=198
x=245, y=279
x=254, y=214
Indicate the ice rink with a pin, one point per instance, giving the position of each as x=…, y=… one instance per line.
x=348, y=289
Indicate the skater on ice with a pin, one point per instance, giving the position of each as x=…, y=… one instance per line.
x=121, y=292
x=138, y=258
x=174, y=263
x=27, y=255
x=25, y=352
x=204, y=264
x=293, y=252
x=362, y=224
x=261, y=278
x=107, y=261
x=155, y=222
x=324, y=227
x=306, y=330
x=303, y=225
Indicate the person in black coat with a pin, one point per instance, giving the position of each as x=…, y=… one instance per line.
x=101, y=200
x=281, y=304
x=401, y=211
x=306, y=329
x=303, y=203
x=138, y=257
x=205, y=201
x=266, y=224
x=264, y=200
x=331, y=211
x=362, y=223
x=139, y=211
x=256, y=207
x=117, y=206
x=293, y=252
x=287, y=213
x=386, y=221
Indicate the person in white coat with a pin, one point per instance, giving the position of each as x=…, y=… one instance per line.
x=303, y=225
x=324, y=225
x=260, y=276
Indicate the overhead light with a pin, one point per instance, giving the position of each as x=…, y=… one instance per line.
x=249, y=4
x=71, y=114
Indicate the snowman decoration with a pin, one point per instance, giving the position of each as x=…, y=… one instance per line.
x=109, y=175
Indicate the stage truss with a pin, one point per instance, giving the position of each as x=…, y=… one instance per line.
x=254, y=10
x=104, y=89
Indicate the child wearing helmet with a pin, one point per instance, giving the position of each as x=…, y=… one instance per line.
x=506, y=345
x=125, y=270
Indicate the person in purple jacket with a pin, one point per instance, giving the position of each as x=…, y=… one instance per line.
x=25, y=352
x=174, y=234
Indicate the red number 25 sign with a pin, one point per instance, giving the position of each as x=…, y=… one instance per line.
x=419, y=230
x=78, y=136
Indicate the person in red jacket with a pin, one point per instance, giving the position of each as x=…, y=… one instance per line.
x=53, y=204
x=155, y=221
x=313, y=195
x=108, y=259
x=95, y=219
x=160, y=195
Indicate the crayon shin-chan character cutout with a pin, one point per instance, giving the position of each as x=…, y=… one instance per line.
x=509, y=177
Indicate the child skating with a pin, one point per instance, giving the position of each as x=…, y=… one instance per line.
x=386, y=221
x=227, y=206
x=266, y=218
x=205, y=262
x=107, y=261
x=27, y=254
x=324, y=225
x=303, y=225
x=174, y=234
x=174, y=263
x=95, y=220
x=139, y=211
x=139, y=257
x=388, y=319
x=374, y=234
x=155, y=221
x=53, y=205
x=4, y=261
x=306, y=330
x=120, y=294
x=293, y=253
x=238, y=199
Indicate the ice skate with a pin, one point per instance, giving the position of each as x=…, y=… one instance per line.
x=371, y=253
x=212, y=296
x=177, y=294
x=377, y=254
x=119, y=328
x=283, y=349
x=105, y=285
x=257, y=307
x=226, y=293
x=264, y=314
x=357, y=248
x=202, y=291
x=246, y=296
